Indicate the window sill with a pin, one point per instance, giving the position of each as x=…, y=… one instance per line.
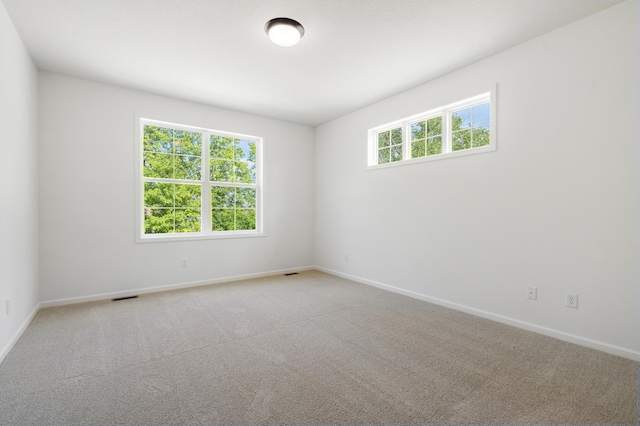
x=194, y=236
x=471, y=151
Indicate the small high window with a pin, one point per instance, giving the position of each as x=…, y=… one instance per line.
x=461, y=128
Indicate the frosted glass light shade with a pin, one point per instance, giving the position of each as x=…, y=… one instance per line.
x=284, y=32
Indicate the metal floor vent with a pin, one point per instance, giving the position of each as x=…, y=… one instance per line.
x=290, y=273
x=117, y=299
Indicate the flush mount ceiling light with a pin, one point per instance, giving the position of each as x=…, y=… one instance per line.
x=284, y=32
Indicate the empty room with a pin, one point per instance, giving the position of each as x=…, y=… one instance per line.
x=219, y=212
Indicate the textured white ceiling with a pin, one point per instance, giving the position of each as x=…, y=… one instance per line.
x=354, y=52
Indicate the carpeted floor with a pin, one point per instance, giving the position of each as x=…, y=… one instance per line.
x=304, y=349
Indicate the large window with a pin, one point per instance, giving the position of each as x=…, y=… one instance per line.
x=197, y=183
x=460, y=128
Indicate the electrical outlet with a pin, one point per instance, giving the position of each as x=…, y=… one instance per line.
x=7, y=305
x=532, y=292
x=346, y=257
x=571, y=300
x=183, y=263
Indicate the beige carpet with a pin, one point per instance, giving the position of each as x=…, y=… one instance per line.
x=304, y=349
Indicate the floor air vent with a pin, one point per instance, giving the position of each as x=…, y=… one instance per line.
x=124, y=298
x=290, y=273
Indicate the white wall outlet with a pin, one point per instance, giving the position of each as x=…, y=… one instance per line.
x=346, y=257
x=183, y=263
x=7, y=306
x=571, y=300
x=532, y=292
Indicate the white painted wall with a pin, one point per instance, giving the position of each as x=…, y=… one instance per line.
x=556, y=206
x=87, y=145
x=18, y=184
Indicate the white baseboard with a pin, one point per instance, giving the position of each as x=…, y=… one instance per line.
x=16, y=336
x=561, y=335
x=128, y=293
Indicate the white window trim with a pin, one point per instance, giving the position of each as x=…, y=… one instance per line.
x=445, y=112
x=141, y=237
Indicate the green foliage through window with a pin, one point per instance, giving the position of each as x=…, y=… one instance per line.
x=470, y=127
x=232, y=160
x=171, y=154
x=171, y=208
x=390, y=145
x=233, y=208
x=175, y=174
x=426, y=137
x=464, y=125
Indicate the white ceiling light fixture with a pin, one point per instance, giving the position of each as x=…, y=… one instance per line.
x=284, y=32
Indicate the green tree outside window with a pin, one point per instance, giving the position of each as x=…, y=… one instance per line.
x=174, y=180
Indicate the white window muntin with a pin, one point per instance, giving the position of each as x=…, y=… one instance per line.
x=205, y=183
x=446, y=113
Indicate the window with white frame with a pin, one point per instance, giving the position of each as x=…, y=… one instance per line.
x=197, y=183
x=461, y=128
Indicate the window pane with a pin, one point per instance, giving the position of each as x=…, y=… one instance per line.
x=223, y=197
x=245, y=219
x=245, y=150
x=461, y=140
x=434, y=126
x=245, y=172
x=187, y=196
x=222, y=171
x=245, y=197
x=396, y=136
x=418, y=149
x=396, y=153
x=383, y=155
x=157, y=165
x=187, y=167
x=222, y=219
x=434, y=145
x=461, y=119
x=187, y=143
x=187, y=220
x=383, y=139
x=171, y=208
x=157, y=139
x=481, y=115
x=481, y=136
x=222, y=147
x=417, y=130
x=158, y=194
x=158, y=220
